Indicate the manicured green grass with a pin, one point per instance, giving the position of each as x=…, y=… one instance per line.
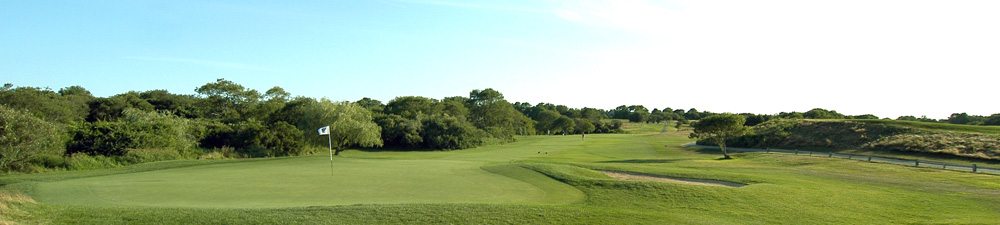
x=537, y=180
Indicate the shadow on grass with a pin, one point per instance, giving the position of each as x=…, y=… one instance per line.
x=641, y=161
x=399, y=149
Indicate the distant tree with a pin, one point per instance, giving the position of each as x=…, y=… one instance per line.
x=546, y=119
x=754, y=119
x=177, y=104
x=24, y=137
x=412, y=107
x=693, y=114
x=455, y=106
x=959, y=118
x=490, y=112
x=620, y=112
x=655, y=116
x=564, y=124
x=274, y=99
x=373, y=105
x=718, y=129
x=819, y=113
x=46, y=104
x=584, y=126
x=112, y=108
x=281, y=139
x=993, y=120
x=400, y=132
x=592, y=114
x=227, y=101
x=135, y=129
x=791, y=115
x=351, y=125
x=76, y=98
x=449, y=132
x=864, y=117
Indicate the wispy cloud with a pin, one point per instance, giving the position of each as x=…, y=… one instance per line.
x=476, y=6
x=200, y=62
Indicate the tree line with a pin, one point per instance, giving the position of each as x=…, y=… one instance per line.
x=42, y=129
x=70, y=128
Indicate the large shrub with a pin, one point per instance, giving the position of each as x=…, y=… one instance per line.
x=24, y=137
x=398, y=131
x=448, y=132
x=960, y=144
x=254, y=138
x=281, y=139
x=135, y=130
x=815, y=134
x=785, y=133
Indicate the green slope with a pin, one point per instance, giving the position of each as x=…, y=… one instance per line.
x=538, y=180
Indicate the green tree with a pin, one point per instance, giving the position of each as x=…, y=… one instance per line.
x=135, y=129
x=455, y=106
x=400, y=132
x=584, y=126
x=718, y=129
x=373, y=105
x=819, y=113
x=489, y=111
x=564, y=125
x=545, y=121
x=449, y=132
x=227, y=101
x=281, y=139
x=412, y=107
x=350, y=125
x=959, y=118
x=112, y=108
x=993, y=120
x=24, y=137
x=180, y=105
x=45, y=103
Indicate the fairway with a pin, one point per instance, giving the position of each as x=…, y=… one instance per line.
x=538, y=179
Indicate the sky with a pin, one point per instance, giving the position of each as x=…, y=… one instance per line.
x=884, y=57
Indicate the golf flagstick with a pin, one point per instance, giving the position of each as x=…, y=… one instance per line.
x=326, y=131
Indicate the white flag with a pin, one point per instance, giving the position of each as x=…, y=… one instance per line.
x=324, y=130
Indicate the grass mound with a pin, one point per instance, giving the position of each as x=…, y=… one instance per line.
x=900, y=136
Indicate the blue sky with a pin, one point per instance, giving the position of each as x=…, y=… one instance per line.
x=715, y=55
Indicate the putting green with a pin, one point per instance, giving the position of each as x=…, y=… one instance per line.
x=307, y=181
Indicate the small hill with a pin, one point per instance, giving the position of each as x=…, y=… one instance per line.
x=883, y=135
x=995, y=130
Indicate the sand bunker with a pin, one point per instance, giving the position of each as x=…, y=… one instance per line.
x=690, y=181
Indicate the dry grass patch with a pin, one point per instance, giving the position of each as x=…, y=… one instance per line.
x=8, y=206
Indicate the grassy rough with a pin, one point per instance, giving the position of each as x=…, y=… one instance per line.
x=878, y=135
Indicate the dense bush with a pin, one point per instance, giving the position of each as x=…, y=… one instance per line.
x=398, y=131
x=24, y=138
x=83, y=161
x=281, y=139
x=783, y=133
x=448, y=132
x=966, y=145
x=135, y=130
x=821, y=134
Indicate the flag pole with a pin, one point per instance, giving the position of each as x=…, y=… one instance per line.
x=329, y=140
